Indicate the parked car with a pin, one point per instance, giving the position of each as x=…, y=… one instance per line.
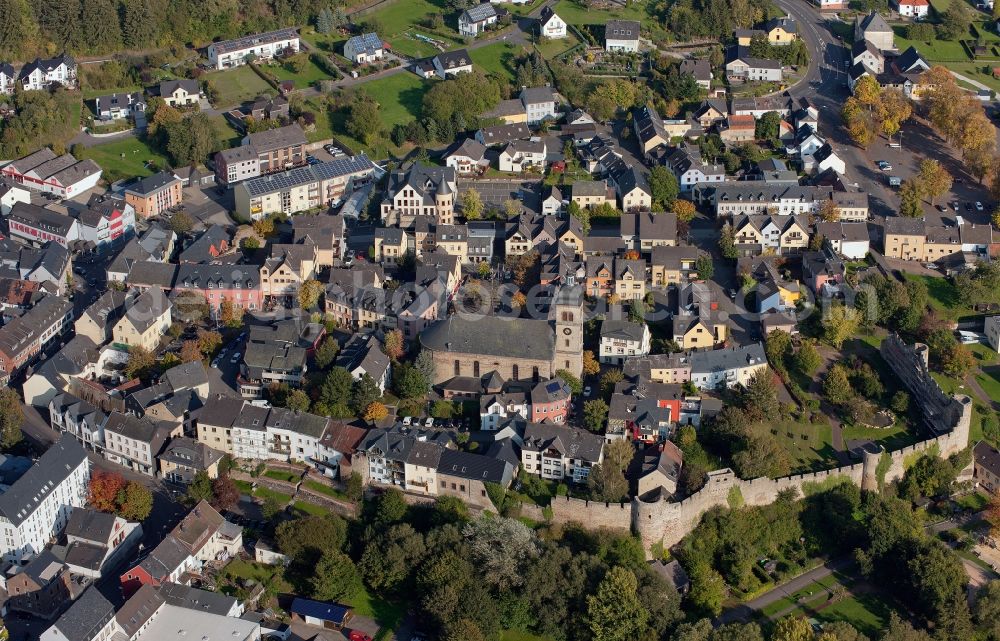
x=407, y=420
x=587, y=391
x=236, y=358
x=358, y=635
x=429, y=422
x=979, y=206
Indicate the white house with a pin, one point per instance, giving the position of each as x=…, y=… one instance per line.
x=826, y=158
x=364, y=49
x=118, y=106
x=467, y=158
x=522, y=155
x=727, y=367
x=539, y=103
x=742, y=67
x=850, y=240
x=495, y=409
x=993, y=332
x=42, y=73
x=623, y=339
x=260, y=46
x=688, y=167
x=916, y=9
x=551, y=25
x=557, y=452
x=621, y=36
x=451, y=63
x=7, y=78
x=11, y=193
x=474, y=20
x=37, y=506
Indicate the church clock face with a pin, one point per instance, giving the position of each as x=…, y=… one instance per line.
x=567, y=331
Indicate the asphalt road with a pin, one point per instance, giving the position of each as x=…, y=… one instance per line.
x=825, y=84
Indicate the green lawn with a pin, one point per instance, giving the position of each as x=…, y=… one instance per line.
x=387, y=614
x=323, y=488
x=309, y=76
x=400, y=97
x=808, y=592
x=237, y=86
x=973, y=501
x=126, y=157
x=809, y=446
x=497, y=58
x=869, y=613
x=989, y=380
x=263, y=493
x=228, y=137
x=244, y=486
x=402, y=19
x=892, y=438
x=943, y=295
x=309, y=509
x=577, y=13
x=259, y=572
x=551, y=49
x=281, y=475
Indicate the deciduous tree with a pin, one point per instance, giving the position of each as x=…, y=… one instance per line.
x=104, y=489
x=135, y=502
x=11, y=418
x=614, y=612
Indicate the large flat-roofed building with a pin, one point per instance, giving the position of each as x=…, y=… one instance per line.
x=301, y=189
x=259, y=46
x=37, y=506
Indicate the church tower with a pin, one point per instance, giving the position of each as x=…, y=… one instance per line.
x=568, y=308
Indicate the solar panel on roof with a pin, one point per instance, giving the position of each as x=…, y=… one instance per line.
x=552, y=387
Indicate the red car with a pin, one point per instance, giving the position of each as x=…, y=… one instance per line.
x=358, y=635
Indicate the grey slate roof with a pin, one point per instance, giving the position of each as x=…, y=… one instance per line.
x=185, y=596
x=48, y=472
x=86, y=616
x=726, y=359
x=571, y=442
x=344, y=166
x=90, y=524
x=474, y=467
x=492, y=335
x=622, y=330
x=152, y=184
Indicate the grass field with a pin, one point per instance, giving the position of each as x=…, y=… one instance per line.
x=893, y=438
x=403, y=18
x=553, y=48
x=497, y=58
x=953, y=55
x=387, y=614
x=577, y=13
x=943, y=295
x=809, y=446
x=238, y=85
x=869, y=613
x=309, y=509
x=400, y=97
x=228, y=137
x=259, y=572
x=989, y=380
x=126, y=157
x=264, y=493
x=309, y=76
x=323, y=488
x=281, y=475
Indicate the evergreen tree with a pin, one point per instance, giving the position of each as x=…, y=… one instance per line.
x=99, y=25
x=324, y=21
x=17, y=29
x=60, y=21
x=138, y=26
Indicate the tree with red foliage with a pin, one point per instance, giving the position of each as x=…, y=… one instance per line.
x=104, y=490
x=225, y=494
